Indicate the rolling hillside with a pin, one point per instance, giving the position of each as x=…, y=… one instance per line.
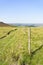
x=3, y=24
x=14, y=45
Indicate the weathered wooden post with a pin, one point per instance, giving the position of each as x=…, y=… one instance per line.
x=29, y=40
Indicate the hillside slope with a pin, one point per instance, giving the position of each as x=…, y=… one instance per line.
x=3, y=24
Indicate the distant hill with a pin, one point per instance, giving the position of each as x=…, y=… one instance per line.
x=21, y=24
x=3, y=24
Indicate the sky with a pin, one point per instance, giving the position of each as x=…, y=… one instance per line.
x=21, y=11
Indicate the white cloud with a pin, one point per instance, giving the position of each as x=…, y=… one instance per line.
x=14, y=20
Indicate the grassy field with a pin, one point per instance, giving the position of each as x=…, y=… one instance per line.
x=37, y=45
x=14, y=45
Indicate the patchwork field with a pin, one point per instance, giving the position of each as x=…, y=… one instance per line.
x=14, y=45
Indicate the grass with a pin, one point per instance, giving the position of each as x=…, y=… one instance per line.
x=37, y=45
x=14, y=46
x=4, y=30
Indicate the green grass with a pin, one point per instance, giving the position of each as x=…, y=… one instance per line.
x=4, y=30
x=36, y=43
x=14, y=47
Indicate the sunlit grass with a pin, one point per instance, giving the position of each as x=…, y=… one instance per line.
x=36, y=42
x=14, y=47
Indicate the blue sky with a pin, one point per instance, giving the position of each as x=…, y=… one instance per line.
x=21, y=11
